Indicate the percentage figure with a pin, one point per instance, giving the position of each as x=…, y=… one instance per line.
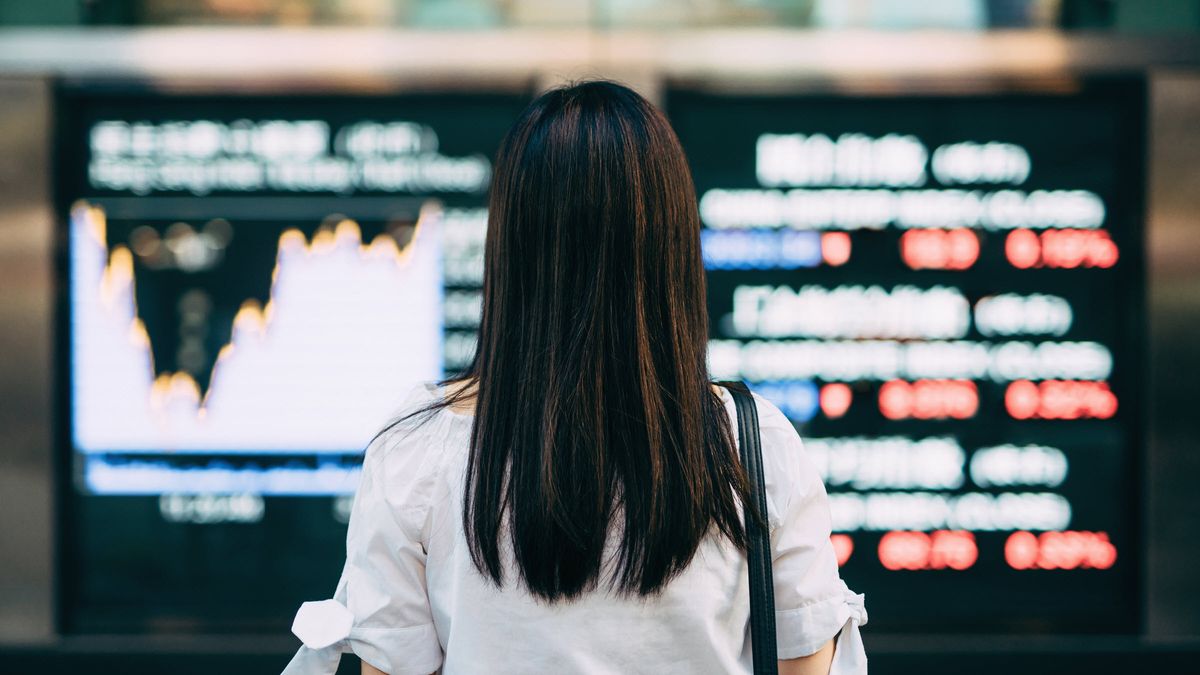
x=937, y=550
x=1066, y=550
x=835, y=248
x=1062, y=249
x=843, y=547
x=955, y=249
x=1060, y=400
x=835, y=399
x=928, y=399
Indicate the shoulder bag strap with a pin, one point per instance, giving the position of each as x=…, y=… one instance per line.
x=762, y=587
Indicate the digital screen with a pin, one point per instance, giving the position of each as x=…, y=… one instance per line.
x=944, y=296
x=253, y=284
x=942, y=293
x=252, y=294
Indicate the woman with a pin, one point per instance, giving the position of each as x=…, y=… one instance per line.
x=572, y=502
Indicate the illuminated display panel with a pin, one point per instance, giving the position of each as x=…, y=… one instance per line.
x=944, y=295
x=252, y=284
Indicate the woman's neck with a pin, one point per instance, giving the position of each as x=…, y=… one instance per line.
x=463, y=391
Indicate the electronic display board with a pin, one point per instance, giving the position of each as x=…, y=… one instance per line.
x=944, y=294
x=252, y=283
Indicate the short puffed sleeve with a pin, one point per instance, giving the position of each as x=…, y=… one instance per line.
x=380, y=609
x=812, y=603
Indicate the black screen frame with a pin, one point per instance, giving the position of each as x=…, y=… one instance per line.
x=66, y=498
x=64, y=161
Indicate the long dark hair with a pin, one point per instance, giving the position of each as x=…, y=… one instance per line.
x=593, y=405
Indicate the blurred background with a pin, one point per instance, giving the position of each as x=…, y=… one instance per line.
x=1106, y=15
x=955, y=241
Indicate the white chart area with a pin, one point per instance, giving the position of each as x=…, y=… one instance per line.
x=348, y=330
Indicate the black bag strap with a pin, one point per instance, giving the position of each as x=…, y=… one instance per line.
x=762, y=585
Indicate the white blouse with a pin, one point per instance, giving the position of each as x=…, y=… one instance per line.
x=409, y=600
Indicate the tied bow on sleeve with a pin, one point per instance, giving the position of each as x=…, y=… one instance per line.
x=323, y=626
x=850, y=655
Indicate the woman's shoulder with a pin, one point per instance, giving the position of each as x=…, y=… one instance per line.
x=404, y=420
x=769, y=415
x=788, y=471
x=404, y=459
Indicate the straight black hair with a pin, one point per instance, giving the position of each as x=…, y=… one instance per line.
x=593, y=405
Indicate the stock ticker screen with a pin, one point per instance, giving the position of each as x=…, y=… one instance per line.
x=943, y=294
x=253, y=284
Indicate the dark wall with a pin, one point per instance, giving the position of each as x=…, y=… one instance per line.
x=1173, y=490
